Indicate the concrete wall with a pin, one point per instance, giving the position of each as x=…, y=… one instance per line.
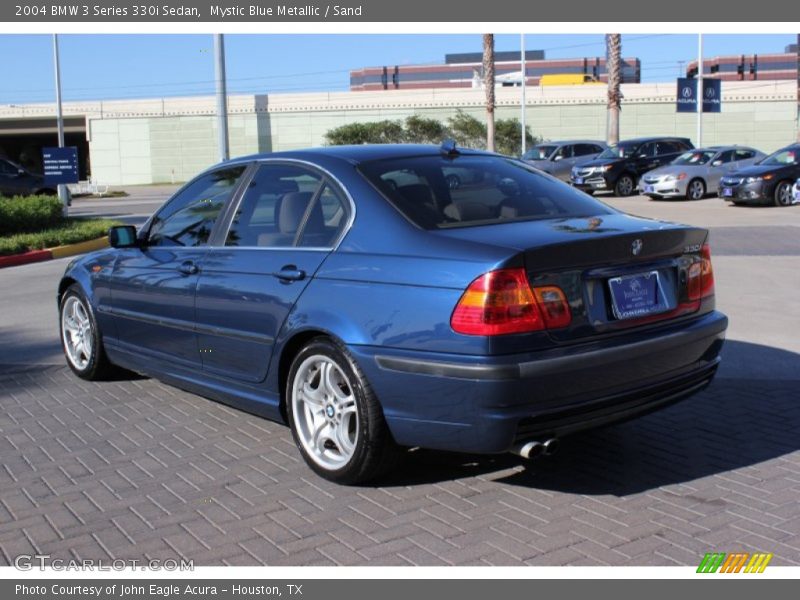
x=141, y=142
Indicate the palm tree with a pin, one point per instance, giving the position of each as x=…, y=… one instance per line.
x=614, y=69
x=488, y=84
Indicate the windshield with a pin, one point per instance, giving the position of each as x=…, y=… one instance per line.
x=789, y=156
x=695, y=158
x=623, y=150
x=437, y=192
x=541, y=152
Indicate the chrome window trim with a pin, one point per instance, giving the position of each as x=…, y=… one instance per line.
x=236, y=201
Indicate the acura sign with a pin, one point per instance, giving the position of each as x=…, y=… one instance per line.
x=687, y=95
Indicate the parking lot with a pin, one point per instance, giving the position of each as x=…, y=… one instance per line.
x=137, y=469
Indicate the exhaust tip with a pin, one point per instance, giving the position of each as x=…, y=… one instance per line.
x=528, y=450
x=550, y=447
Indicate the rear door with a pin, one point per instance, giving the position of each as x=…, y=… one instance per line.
x=563, y=166
x=153, y=287
x=288, y=220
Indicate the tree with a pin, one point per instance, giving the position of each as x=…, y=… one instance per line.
x=614, y=69
x=419, y=130
x=467, y=131
x=509, y=137
x=375, y=132
x=488, y=84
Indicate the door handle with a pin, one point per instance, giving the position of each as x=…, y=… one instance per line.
x=188, y=267
x=290, y=273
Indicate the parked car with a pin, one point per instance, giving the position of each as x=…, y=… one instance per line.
x=696, y=173
x=306, y=288
x=558, y=158
x=619, y=167
x=17, y=181
x=768, y=182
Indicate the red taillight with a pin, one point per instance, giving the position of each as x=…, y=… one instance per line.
x=701, y=276
x=501, y=302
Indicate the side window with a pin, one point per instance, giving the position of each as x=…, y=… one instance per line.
x=648, y=150
x=6, y=168
x=273, y=207
x=726, y=157
x=744, y=154
x=565, y=152
x=666, y=148
x=583, y=149
x=325, y=221
x=187, y=219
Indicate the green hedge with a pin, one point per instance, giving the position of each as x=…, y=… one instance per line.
x=30, y=213
x=70, y=231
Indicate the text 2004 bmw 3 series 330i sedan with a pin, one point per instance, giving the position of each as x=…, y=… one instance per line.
x=354, y=294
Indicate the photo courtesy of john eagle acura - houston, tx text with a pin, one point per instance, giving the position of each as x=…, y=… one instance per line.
x=355, y=294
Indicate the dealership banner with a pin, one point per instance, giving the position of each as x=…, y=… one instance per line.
x=380, y=10
x=686, y=100
x=712, y=95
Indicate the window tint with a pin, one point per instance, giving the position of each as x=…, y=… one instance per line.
x=326, y=220
x=187, y=219
x=492, y=190
x=649, y=149
x=744, y=154
x=273, y=207
x=583, y=149
x=6, y=168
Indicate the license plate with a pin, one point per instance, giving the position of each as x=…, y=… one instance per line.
x=579, y=180
x=649, y=189
x=639, y=295
x=727, y=192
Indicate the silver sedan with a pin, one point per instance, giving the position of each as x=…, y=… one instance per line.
x=696, y=173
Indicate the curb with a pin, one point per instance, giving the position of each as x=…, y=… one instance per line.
x=34, y=256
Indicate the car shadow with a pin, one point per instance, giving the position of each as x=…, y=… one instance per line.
x=737, y=422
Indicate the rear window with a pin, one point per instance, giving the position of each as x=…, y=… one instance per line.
x=438, y=192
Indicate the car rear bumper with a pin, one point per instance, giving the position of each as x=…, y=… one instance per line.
x=486, y=404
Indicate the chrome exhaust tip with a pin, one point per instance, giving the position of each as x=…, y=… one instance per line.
x=528, y=450
x=550, y=447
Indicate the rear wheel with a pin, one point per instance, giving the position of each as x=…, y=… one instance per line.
x=783, y=194
x=696, y=189
x=624, y=186
x=80, y=337
x=335, y=418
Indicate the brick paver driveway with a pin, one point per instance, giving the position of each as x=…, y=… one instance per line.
x=137, y=469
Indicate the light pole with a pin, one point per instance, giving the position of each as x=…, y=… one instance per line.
x=222, y=97
x=62, y=189
x=524, y=82
x=700, y=95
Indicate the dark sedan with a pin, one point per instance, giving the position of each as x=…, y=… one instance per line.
x=768, y=182
x=17, y=181
x=354, y=294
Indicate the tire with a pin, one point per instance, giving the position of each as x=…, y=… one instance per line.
x=782, y=196
x=77, y=326
x=336, y=419
x=696, y=189
x=625, y=185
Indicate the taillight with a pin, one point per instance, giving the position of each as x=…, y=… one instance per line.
x=701, y=276
x=502, y=302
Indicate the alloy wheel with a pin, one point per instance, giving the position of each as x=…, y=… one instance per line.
x=325, y=412
x=76, y=330
x=696, y=190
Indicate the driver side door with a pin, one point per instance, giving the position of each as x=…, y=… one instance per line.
x=153, y=286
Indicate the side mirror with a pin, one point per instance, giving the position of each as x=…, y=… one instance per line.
x=21, y=172
x=716, y=163
x=557, y=157
x=123, y=236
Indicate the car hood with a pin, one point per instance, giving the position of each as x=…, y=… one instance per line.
x=599, y=162
x=757, y=170
x=677, y=170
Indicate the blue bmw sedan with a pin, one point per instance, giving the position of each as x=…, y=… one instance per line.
x=356, y=295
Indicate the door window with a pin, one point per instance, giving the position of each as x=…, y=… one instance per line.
x=326, y=220
x=6, y=168
x=188, y=218
x=744, y=154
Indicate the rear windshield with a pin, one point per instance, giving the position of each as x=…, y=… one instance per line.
x=438, y=192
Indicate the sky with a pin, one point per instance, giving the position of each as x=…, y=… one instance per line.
x=110, y=66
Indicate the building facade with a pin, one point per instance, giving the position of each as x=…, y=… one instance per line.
x=750, y=67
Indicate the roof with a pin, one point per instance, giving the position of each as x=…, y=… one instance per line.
x=654, y=138
x=359, y=153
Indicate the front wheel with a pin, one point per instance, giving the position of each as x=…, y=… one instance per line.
x=624, y=186
x=80, y=336
x=696, y=189
x=335, y=418
x=783, y=194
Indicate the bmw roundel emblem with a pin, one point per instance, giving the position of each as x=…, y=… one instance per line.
x=636, y=247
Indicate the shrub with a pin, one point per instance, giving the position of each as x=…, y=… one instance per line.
x=70, y=231
x=29, y=213
x=375, y=132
